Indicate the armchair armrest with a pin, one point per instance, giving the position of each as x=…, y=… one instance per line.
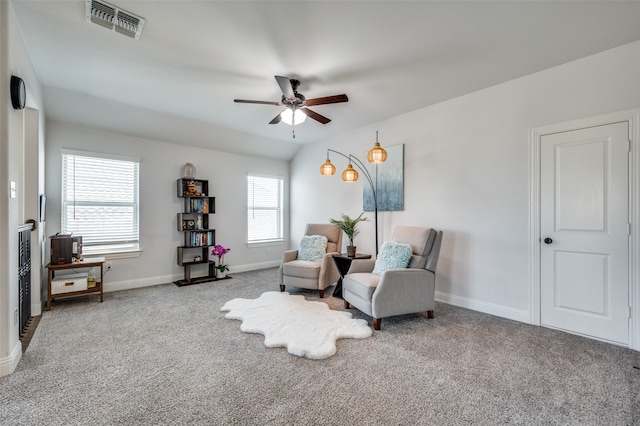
x=361, y=265
x=289, y=255
x=403, y=291
x=328, y=271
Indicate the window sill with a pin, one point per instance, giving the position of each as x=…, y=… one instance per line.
x=271, y=243
x=113, y=252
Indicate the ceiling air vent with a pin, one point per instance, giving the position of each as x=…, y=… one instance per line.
x=113, y=18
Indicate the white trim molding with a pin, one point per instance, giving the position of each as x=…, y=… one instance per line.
x=36, y=309
x=485, y=307
x=631, y=116
x=169, y=279
x=8, y=365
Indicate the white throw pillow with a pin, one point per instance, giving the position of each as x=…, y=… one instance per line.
x=313, y=248
x=392, y=256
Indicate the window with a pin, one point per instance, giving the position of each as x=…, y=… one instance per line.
x=264, y=209
x=100, y=201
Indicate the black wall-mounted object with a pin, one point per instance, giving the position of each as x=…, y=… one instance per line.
x=43, y=207
x=18, y=92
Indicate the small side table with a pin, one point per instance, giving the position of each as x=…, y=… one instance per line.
x=343, y=263
x=85, y=263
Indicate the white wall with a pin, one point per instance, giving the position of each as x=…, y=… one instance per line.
x=466, y=172
x=14, y=60
x=160, y=167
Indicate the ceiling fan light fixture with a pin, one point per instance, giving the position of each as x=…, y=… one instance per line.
x=289, y=115
x=296, y=104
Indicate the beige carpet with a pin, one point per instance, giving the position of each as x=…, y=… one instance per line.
x=167, y=355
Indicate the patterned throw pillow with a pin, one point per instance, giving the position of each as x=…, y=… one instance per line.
x=312, y=247
x=392, y=256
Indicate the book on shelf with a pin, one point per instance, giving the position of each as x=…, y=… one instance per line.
x=200, y=239
x=199, y=205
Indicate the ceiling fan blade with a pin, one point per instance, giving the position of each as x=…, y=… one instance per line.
x=327, y=100
x=285, y=86
x=312, y=114
x=245, y=101
x=276, y=119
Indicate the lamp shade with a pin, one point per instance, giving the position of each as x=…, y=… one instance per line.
x=377, y=154
x=288, y=116
x=350, y=174
x=327, y=169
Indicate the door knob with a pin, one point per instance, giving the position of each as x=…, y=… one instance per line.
x=548, y=240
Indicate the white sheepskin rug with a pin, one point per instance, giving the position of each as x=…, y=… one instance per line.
x=306, y=328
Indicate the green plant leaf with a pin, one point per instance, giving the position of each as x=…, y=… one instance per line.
x=349, y=225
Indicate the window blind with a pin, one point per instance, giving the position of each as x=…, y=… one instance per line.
x=264, y=211
x=100, y=198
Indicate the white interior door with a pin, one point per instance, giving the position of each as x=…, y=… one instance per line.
x=584, y=225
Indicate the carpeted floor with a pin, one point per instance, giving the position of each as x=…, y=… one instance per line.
x=166, y=355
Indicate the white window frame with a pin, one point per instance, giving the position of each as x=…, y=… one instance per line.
x=128, y=247
x=279, y=232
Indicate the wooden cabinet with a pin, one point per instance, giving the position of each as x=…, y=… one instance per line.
x=194, y=223
x=84, y=264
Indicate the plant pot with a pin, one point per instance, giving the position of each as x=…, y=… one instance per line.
x=351, y=251
x=221, y=274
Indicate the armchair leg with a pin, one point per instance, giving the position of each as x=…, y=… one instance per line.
x=430, y=314
x=321, y=293
x=281, y=287
x=376, y=323
x=346, y=304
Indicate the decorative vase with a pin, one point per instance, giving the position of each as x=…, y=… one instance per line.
x=221, y=274
x=189, y=171
x=351, y=251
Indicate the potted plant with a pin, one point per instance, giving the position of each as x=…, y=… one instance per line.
x=219, y=252
x=350, y=228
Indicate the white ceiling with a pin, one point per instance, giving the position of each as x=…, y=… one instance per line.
x=389, y=57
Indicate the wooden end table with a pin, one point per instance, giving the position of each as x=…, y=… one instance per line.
x=84, y=263
x=343, y=263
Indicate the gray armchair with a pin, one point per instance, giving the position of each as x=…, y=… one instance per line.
x=309, y=274
x=396, y=291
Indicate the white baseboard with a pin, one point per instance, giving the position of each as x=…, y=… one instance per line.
x=36, y=309
x=255, y=266
x=9, y=364
x=141, y=282
x=165, y=279
x=485, y=307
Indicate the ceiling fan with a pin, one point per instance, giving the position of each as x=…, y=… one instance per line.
x=296, y=104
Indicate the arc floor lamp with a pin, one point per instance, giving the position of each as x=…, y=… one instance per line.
x=376, y=155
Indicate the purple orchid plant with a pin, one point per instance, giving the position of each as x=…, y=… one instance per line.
x=219, y=252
